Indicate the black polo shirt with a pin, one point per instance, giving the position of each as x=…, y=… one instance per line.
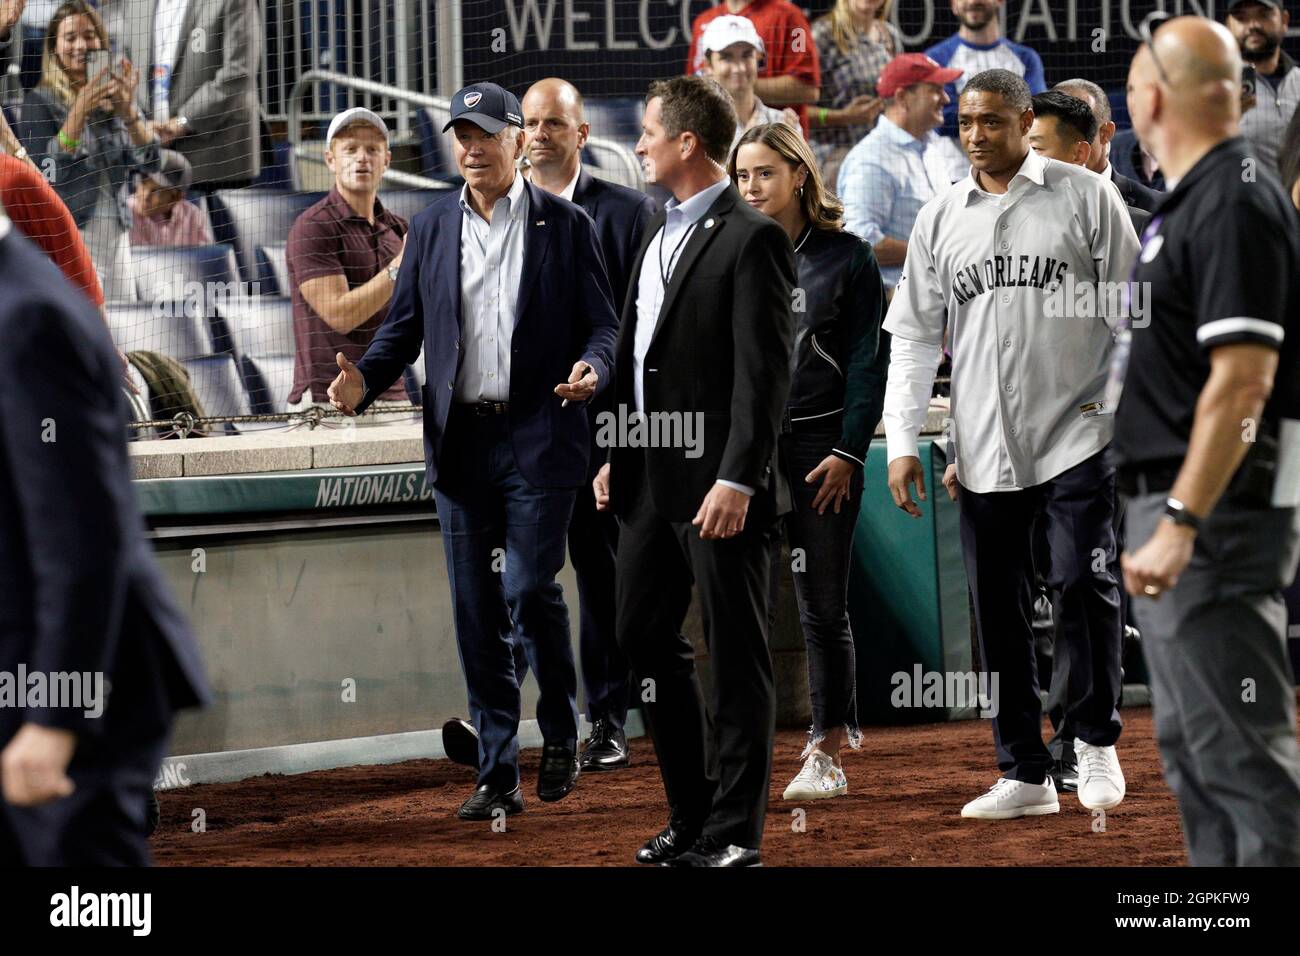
x=1222, y=256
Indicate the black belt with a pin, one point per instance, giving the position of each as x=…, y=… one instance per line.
x=1148, y=479
x=482, y=409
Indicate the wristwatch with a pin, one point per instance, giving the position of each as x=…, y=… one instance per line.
x=392, y=274
x=1177, y=512
x=21, y=153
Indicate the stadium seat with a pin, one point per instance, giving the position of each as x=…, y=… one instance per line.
x=217, y=385
x=262, y=329
x=248, y=218
x=205, y=275
x=272, y=271
x=181, y=333
x=407, y=202
x=171, y=273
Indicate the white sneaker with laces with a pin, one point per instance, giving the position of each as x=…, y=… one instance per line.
x=819, y=779
x=1008, y=799
x=1101, y=781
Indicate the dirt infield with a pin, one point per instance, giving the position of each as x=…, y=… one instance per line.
x=907, y=786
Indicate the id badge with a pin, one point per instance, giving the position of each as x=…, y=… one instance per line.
x=1286, y=486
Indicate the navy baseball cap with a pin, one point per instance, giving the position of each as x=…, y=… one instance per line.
x=487, y=106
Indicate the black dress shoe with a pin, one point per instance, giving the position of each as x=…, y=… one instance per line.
x=152, y=813
x=559, y=773
x=1065, y=776
x=605, y=748
x=460, y=741
x=707, y=851
x=487, y=800
x=669, y=843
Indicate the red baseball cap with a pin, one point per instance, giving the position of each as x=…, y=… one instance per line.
x=909, y=68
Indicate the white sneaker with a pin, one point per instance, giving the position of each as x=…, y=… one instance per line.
x=1101, y=781
x=1009, y=799
x=818, y=780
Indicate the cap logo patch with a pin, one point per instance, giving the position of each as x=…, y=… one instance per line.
x=471, y=99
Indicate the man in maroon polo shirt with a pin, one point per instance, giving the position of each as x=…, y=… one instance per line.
x=343, y=254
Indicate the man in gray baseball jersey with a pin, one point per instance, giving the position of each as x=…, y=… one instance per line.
x=1022, y=261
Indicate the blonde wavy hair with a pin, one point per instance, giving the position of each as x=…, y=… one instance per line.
x=843, y=32
x=53, y=76
x=820, y=206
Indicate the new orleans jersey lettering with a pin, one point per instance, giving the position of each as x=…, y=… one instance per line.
x=999, y=272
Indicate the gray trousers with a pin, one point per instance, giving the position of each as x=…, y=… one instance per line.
x=1221, y=685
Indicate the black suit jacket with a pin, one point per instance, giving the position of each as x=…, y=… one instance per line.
x=82, y=590
x=1134, y=193
x=721, y=348
x=564, y=313
x=621, y=216
x=1140, y=218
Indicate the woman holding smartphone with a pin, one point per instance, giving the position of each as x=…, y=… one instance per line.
x=838, y=369
x=82, y=127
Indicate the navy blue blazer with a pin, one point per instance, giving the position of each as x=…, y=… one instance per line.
x=82, y=590
x=621, y=215
x=565, y=312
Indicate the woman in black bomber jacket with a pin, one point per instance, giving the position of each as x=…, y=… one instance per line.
x=838, y=370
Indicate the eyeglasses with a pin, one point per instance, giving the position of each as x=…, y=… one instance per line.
x=1147, y=31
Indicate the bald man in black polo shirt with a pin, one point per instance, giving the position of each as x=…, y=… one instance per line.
x=1207, y=436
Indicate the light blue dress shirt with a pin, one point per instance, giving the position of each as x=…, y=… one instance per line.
x=887, y=178
x=491, y=264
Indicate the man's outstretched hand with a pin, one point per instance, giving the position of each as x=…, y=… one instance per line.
x=348, y=388
x=581, y=384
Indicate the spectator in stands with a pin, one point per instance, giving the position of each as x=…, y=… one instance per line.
x=11, y=11
x=1135, y=194
x=902, y=163
x=1289, y=160
x=88, y=134
x=979, y=45
x=855, y=41
x=732, y=49
x=1064, y=129
x=1259, y=26
x=343, y=255
x=37, y=212
x=789, y=74
x=202, y=56
x=162, y=216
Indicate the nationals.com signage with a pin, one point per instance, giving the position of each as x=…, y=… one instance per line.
x=616, y=47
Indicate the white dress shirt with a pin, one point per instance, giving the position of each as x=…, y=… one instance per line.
x=1028, y=384
x=567, y=191
x=169, y=18
x=681, y=219
x=491, y=264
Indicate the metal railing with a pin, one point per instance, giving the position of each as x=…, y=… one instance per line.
x=614, y=161
x=385, y=41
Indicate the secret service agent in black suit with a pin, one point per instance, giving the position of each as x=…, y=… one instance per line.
x=705, y=337
x=83, y=595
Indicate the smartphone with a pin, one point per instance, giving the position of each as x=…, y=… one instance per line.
x=1248, y=78
x=97, y=61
